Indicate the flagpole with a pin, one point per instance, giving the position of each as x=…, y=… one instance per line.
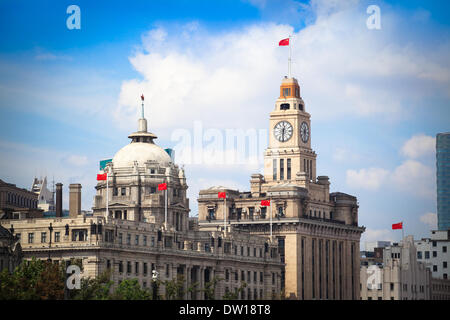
x=289, y=62
x=403, y=233
x=165, y=209
x=225, y=214
x=270, y=204
x=107, y=197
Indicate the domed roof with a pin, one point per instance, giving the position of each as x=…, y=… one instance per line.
x=140, y=152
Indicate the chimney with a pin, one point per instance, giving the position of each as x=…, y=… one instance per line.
x=59, y=200
x=74, y=200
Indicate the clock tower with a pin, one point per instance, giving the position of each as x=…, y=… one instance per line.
x=289, y=150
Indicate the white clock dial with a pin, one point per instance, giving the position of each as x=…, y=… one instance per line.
x=283, y=131
x=304, y=132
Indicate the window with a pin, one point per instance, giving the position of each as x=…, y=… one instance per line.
x=444, y=249
x=297, y=92
x=419, y=254
x=242, y=275
x=123, y=191
x=115, y=191
x=274, y=169
x=79, y=234
x=120, y=238
x=392, y=286
x=128, y=267
x=136, y=267
x=145, y=268
x=286, y=92
x=281, y=169
x=427, y=254
x=227, y=275
x=128, y=239
x=435, y=268
x=434, y=254
x=43, y=237
x=108, y=264
x=120, y=266
x=30, y=237
x=249, y=276
x=284, y=106
x=136, y=240
x=153, y=241
x=444, y=264
x=145, y=240
x=261, y=277
x=434, y=243
x=288, y=173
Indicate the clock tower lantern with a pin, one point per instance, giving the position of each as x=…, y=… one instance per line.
x=289, y=150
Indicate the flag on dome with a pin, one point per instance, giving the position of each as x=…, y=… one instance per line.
x=142, y=97
x=284, y=42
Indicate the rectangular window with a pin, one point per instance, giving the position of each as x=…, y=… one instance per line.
x=43, y=237
x=120, y=238
x=286, y=92
x=120, y=266
x=136, y=240
x=128, y=267
x=281, y=169
x=123, y=191
x=274, y=169
x=145, y=240
x=145, y=268
x=115, y=191
x=419, y=255
x=427, y=254
x=136, y=267
x=444, y=249
x=444, y=264
x=128, y=239
x=288, y=173
x=57, y=236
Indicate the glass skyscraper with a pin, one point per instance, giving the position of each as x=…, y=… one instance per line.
x=443, y=180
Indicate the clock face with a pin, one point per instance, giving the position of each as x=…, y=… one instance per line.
x=283, y=131
x=304, y=132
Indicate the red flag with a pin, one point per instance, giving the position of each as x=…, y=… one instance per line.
x=284, y=42
x=265, y=203
x=222, y=195
x=102, y=176
x=162, y=186
x=142, y=97
x=397, y=226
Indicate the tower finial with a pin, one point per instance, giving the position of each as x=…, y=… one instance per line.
x=142, y=109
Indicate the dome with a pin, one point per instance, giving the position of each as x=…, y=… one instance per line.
x=140, y=152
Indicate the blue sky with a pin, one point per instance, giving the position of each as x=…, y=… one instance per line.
x=377, y=98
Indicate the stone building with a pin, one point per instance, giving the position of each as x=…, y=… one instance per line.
x=136, y=229
x=316, y=231
x=17, y=202
x=434, y=252
x=10, y=250
x=399, y=277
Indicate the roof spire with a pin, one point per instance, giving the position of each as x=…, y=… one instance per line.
x=142, y=106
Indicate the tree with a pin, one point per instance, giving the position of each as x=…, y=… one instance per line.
x=234, y=295
x=33, y=280
x=130, y=289
x=98, y=288
x=210, y=288
x=174, y=288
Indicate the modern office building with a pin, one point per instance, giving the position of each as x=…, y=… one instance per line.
x=443, y=180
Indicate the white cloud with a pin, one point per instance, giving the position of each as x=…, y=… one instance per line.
x=190, y=73
x=416, y=178
x=370, y=179
x=429, y=219
x=418, y=146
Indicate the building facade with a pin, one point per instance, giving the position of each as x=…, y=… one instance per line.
x=10, y=250
x=46, y=198
x=399, y=277
x=136, y=229
x=316, y=231
x=17, y=202
x=443, y=180
x=434, y=253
